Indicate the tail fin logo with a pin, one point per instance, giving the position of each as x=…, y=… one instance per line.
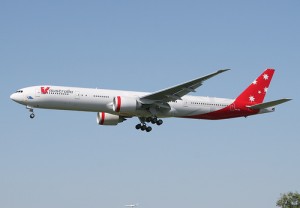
x=266, y=77
x=256, y=91
x=45, y=90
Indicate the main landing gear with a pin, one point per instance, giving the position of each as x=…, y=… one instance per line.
x=143, y=126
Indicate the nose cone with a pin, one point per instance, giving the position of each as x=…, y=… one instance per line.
x=13, y=97
x=17, y=97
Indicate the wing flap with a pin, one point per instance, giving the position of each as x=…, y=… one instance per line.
x=268, y=104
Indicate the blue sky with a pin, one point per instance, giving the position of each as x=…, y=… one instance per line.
x=64, y=159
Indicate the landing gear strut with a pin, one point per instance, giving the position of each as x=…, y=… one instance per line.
x=143, y=126
x=31, y=111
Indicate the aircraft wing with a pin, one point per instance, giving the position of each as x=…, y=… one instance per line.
x=176, y=92
x=269, y=104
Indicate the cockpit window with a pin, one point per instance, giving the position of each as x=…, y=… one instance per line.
x=19, y=91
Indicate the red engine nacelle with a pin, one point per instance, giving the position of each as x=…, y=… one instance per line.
x=125, y=104
x=108, y=119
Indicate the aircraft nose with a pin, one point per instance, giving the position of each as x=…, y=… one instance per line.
x=13, y=97
x=16, y=97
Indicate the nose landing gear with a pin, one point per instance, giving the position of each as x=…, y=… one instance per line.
x=32, y=115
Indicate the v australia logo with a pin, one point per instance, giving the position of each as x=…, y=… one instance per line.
x=45, y=90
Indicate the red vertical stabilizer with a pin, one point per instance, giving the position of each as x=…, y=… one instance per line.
x=257, y=90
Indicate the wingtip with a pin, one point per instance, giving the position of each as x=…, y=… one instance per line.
x=223, y=70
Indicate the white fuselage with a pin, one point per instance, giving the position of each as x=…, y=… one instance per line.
x=101, y=100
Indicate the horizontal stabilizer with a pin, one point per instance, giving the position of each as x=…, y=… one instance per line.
x=268, y=104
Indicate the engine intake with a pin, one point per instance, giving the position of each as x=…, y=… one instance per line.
x=108, y=119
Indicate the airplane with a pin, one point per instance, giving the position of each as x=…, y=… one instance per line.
x=115, y=106
x=131, y=205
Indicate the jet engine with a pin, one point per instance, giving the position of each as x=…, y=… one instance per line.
x=125, y=104
x=108, y=119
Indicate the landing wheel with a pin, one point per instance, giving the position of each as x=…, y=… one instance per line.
x=143, y=128
x=154, y=120
x=32, y=115
x=159, y=122
x=149, y=128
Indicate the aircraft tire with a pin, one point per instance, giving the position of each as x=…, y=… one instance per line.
x=159, y=122
x=149, y=128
